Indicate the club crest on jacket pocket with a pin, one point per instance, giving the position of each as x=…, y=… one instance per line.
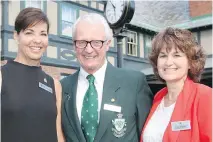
x=119, y=124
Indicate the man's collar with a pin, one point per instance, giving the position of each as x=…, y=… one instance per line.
x=99, y=74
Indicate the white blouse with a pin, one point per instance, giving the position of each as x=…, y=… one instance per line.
x=158, y=123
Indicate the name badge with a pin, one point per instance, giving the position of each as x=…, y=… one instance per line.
x=45, y=87
x=112, y=108
x=181, y=125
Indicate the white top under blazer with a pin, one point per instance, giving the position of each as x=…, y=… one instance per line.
x=158, y=123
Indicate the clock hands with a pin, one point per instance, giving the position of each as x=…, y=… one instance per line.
x=113, y=8
x=112, y=4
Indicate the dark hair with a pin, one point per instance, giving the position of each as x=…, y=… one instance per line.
x=29, y=17
x=183, y=40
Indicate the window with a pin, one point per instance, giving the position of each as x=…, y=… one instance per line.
x=148, y=45
x=131, y=43
x=93, y=4
x=68, y=17
x=84, y=2
x=33, y=3
x=101, y=6
x=196, y=36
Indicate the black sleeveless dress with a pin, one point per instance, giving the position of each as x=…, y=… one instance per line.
x=28, y=104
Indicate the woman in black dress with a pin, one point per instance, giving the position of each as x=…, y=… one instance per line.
x=30, y=99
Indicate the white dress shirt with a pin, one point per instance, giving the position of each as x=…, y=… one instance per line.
x=83, y=85
x=158, y=123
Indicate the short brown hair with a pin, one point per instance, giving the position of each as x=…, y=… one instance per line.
x=29, y=17
x=183, y=40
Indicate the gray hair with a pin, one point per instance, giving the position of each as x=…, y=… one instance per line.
x=94, y=18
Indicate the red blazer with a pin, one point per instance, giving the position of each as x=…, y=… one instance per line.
x=194, y=103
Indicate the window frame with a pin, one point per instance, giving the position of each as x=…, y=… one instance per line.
x=134, y=47
x=43, y=4
x=196, y=36
x=78, y=7
x=60, y=17
x=147, y=49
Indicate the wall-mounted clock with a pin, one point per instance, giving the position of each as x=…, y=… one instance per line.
x=119, y=12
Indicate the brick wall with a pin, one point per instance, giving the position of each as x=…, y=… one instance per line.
x=199, y=8
x=52, y=71
x=56, y=71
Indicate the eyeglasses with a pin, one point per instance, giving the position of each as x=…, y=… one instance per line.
x=96, y=44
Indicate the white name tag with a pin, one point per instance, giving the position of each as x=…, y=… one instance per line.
x=43, y=86
x=112, y=108
x=181, y=125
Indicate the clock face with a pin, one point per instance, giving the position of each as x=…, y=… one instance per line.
x=114, y=10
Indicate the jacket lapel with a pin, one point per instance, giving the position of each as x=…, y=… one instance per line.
x=111, y=86
x=181, y=109
x=70, y=107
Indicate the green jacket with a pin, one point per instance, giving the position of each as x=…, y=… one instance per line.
x=129, y=90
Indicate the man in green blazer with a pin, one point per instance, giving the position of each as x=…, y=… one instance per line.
x=102, y=103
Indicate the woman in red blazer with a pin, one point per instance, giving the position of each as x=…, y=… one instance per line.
x=182, y=111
